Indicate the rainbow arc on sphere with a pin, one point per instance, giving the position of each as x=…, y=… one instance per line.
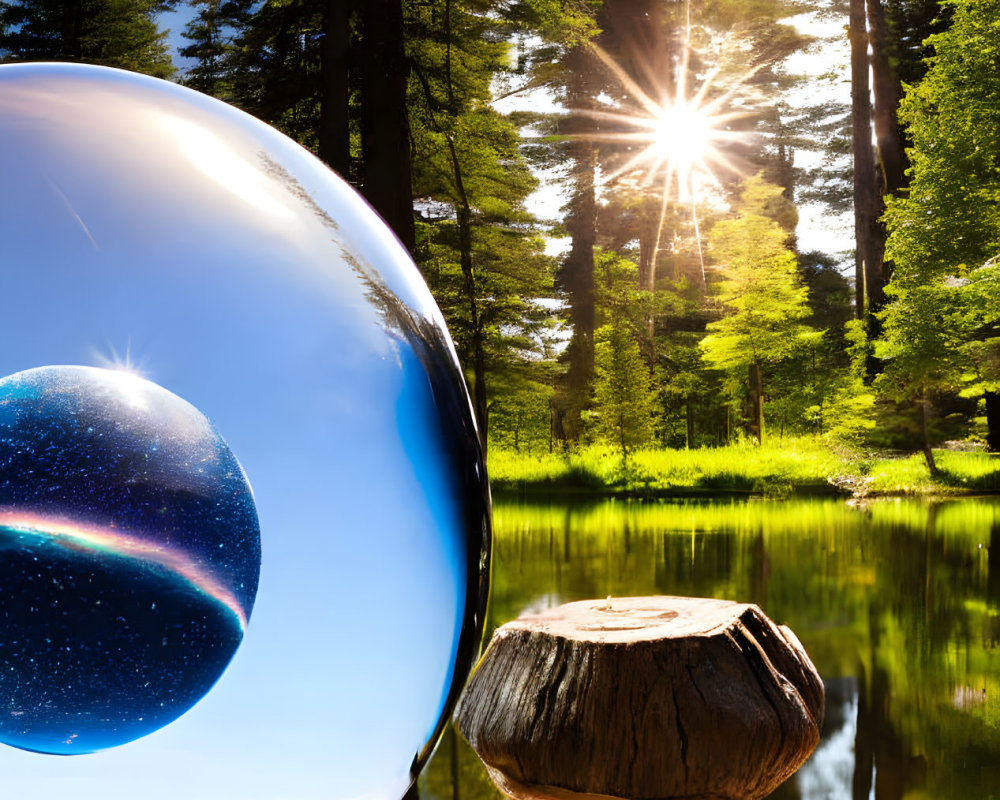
x=93, y=538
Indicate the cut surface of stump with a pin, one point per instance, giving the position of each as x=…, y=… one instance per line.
x=643, y=697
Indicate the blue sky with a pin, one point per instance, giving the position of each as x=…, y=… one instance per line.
x=139, y=217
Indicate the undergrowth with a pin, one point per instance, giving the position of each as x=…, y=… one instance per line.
x=779, y=468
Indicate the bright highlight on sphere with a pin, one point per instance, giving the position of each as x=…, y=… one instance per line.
x=239, y=273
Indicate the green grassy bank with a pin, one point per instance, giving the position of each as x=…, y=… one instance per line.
x=799, y=466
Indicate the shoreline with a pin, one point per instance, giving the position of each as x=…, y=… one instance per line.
x=803, y=468
x=540, y=491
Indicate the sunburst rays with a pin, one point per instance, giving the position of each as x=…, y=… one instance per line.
x=683, y=138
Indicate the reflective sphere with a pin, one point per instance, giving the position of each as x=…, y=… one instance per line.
x=144, y=223
x=130, y=557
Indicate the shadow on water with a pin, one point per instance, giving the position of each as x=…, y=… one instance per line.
x=897, y=602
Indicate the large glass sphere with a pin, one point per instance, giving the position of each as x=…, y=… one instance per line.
x=147, y=227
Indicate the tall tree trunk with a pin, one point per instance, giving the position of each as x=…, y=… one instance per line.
x=637, y=33
x=889, y=143
x=865, y=184
x=992, y=421
x=689, y=419
x=334, y=119
x=756, y=386
x=578, y=280
x=647, y=258
x=925, y=411
x=385, y=141
x=72, y=45
x=887, y=91
x=648, y=234
x=463, y=208
x=472, y=298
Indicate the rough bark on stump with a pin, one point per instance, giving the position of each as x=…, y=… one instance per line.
x=643, y=697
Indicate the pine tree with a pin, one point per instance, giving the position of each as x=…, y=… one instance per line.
x=762, y=295
x=113, y=33
x=211, y=32
x=477, y=245
x=623, y=395
x=275, y=67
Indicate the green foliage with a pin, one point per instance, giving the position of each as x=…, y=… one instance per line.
x=477, y=246
x=212, y=32
x=912, y=22
x=759, y=289
x=859, y=348
x=847, y=415
x=113, y=33
x=565, y=23
x=520, y=413
x=979, y=301
x=623, y=395
x=941, y=328
x=274, y=67
x=692, y=399
x=764, y=199
x=830, y=298
x=762, y=298
x=922, y=340
x=616, y=292
x=950, y=219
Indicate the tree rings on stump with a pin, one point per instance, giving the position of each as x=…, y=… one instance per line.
x=643, y=698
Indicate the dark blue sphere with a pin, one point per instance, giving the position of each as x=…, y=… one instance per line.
x=129, y=557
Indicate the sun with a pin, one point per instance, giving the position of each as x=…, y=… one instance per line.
x=682, y=132
x=682, y=137
x=678, y=137
x=681, y=141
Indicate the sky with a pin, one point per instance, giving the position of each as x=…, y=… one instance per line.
x=237, y=272
x=826, y=66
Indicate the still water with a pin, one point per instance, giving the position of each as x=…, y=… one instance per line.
x=896, y=601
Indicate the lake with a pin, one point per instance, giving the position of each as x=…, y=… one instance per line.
x=896, y=601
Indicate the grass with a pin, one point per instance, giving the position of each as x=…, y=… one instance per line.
x=805, y=465
x=776, y=469
x=958, y=472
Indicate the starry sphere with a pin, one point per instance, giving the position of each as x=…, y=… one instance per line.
x=146, y=225
x=130, y=557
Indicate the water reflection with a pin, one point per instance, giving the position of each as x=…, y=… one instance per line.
x=897, y=602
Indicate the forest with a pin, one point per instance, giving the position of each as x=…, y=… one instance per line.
x=604, y=198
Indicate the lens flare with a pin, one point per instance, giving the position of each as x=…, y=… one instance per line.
x=683, y=138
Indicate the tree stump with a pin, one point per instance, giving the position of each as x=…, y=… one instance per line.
x=643, y=697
